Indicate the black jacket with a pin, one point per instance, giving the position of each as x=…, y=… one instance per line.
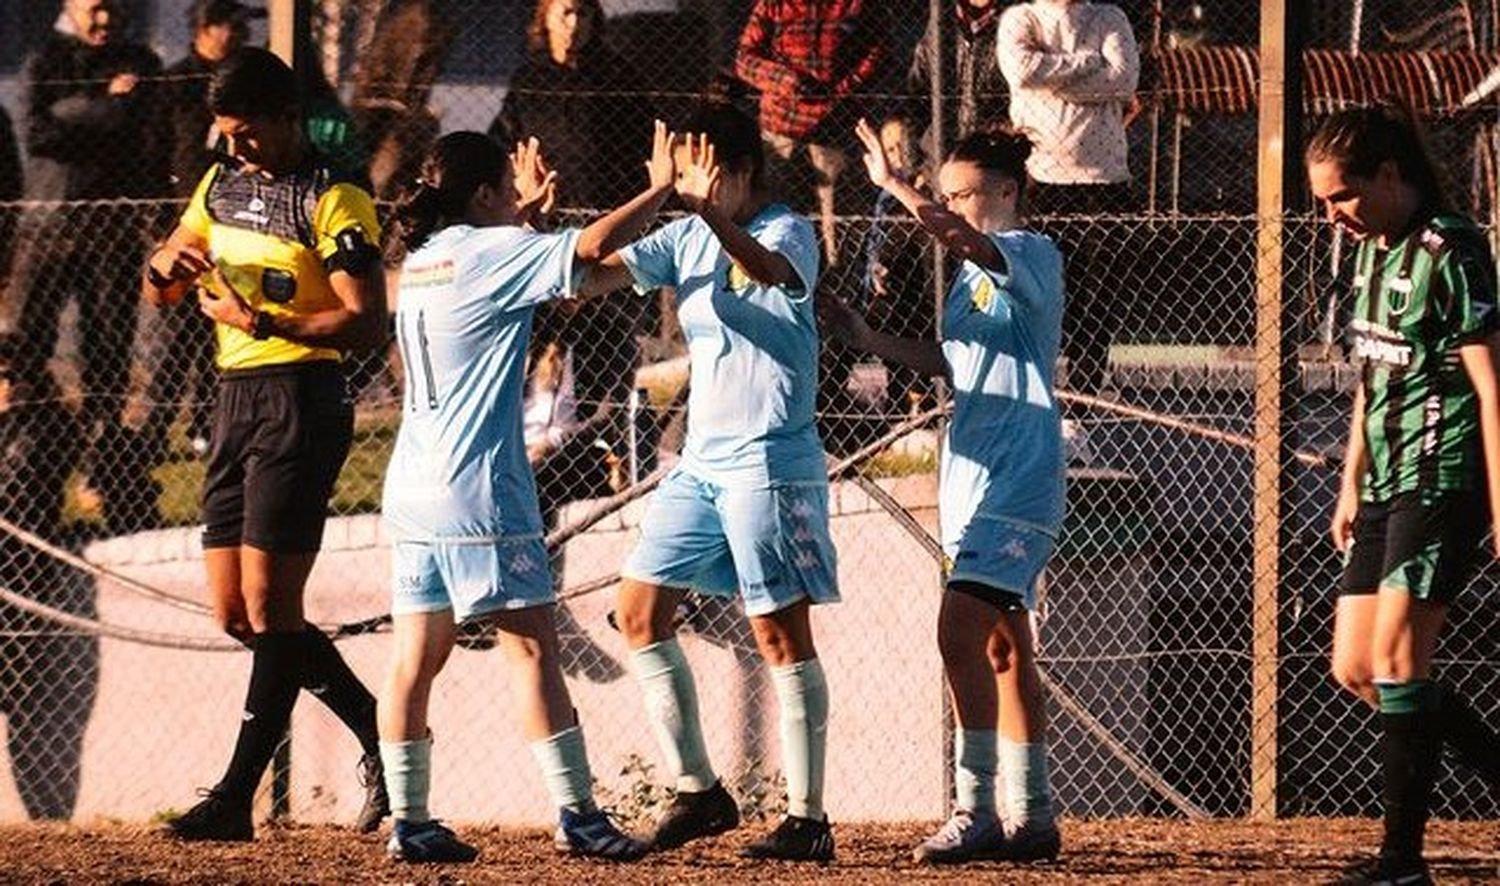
x=82, y=142
x=183, y=99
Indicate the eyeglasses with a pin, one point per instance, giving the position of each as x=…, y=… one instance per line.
x=953, y=197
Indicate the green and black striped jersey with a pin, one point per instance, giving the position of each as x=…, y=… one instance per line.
x=1417, y=301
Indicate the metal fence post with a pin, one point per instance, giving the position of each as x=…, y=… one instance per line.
x=1275, y=375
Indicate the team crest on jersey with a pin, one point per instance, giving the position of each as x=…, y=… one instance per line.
x=984, y=295
x=1015, y=549
x=736, y=278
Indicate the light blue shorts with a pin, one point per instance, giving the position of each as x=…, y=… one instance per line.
x=472, y=578
x=1001, y=554
x=770, y=544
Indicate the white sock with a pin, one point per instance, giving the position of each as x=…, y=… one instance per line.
x=1028, y=789
x=974, y=759
x=564, y=761
x=672, y=705
x=803, y=692
x=408, y=777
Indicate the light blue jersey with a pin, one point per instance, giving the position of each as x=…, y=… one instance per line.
x=463, y=320
x=753, y=349
x=1004, y=456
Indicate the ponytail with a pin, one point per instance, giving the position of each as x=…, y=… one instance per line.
x=452, y=171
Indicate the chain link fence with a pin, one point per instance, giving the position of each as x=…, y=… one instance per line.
x=118, y=696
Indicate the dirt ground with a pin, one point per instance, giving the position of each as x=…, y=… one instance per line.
x=1117, y=851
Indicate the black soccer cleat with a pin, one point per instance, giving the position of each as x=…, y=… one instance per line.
x=795, y=839
x=1030, y=842
x=1386, y=871
x=215, y=818
x=695, y=814
x=377, y=802
x=428, y=842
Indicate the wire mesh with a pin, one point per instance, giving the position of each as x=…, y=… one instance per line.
x=1146, y=621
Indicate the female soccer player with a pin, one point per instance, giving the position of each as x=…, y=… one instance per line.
x=747, y=507
x=1421, y=476
x=460, y=501
x=1001, y=493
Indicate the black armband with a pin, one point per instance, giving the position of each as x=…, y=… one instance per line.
x=354, y=255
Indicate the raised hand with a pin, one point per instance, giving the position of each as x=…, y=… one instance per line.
x=660, y=169
x=877, y=164
x=536, y=185
x=697, y=183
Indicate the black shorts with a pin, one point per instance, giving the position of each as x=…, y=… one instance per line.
x=1431, y=549
x=280, y=435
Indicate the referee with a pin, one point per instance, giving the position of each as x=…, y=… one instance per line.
x=283, y=252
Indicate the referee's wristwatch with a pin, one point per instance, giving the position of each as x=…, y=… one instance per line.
x=260, y=326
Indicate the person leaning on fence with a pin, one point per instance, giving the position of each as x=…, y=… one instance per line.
x=93, y=149
x=747, y=506
x=576, y=96
x=1421, y=481
x=284, y=255
x=810, y=62
x=1001, y=486
x=1072, y=67
x=10, y=191
x=49, y=678
x=460, y=503
x=182, y=367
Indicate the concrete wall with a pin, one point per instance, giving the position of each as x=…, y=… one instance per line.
x=165, y=719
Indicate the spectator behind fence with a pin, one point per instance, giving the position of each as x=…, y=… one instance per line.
x=180, y=365
x=810, y=61
x=1072, y=67
x=574, y=95
x=898, y=267
x=580, y=376
x=976, y=70
x=48, y=678
x=10, y=190
x=91, y=135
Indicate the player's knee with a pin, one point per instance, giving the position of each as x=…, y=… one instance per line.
x=1003, y=655
x=641, y=627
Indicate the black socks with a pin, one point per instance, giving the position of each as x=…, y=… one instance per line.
x=1409, y=757
x=275, y=680
x=327, y=676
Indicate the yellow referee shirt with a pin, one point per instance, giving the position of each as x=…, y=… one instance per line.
x=273, y=238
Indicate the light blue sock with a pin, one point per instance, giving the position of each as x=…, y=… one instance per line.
x=564, y=761
x=672, y=704
x=974, y=759
x=408, y=777
x=1028, y=788
x=802, y=690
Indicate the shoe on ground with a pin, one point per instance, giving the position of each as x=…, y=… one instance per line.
x=966, y=836
x=1387, y=871
x=377, y=802
x=795, y=839
x=1030, y=842
x=428, y=842
x=216, y=817
x=695, y=814
x=594, y=835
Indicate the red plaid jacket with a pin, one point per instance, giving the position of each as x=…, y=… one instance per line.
x=805, y=56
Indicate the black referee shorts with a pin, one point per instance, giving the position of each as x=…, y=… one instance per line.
x=1429, y=548
x=280, y=435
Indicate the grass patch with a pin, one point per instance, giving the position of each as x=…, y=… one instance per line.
x=891, y=463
